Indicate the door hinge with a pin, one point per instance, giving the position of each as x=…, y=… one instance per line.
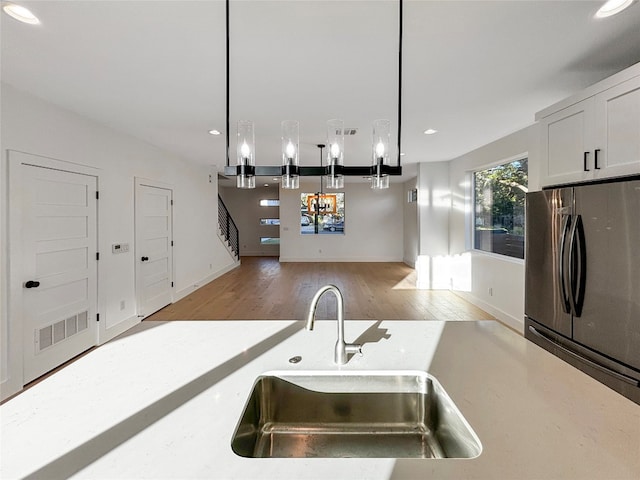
x=97, y=317
x=97, y=255
x=172, y=284
x=172, y=243
x=97, y=195
x=171, y=202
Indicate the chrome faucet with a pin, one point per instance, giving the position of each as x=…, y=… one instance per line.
x=342, y=349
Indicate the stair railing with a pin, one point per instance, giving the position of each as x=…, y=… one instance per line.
x=228, y=228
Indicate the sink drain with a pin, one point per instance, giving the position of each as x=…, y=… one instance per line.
x=295, y=359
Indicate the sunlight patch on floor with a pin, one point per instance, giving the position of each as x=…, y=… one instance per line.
x=407, y=283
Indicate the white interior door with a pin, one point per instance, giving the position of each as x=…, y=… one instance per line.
x=59, y=267
x=154, y=238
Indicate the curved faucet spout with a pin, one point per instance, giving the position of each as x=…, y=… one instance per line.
x=342, y=349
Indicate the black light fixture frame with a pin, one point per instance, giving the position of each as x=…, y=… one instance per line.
x=318, y=171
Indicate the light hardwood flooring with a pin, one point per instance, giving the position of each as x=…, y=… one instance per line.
x=262, y=288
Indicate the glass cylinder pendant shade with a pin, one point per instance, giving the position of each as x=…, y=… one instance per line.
x=290, y=159
x=335, y=154
x=245, y=177
x=380, y=153
x=380, y=182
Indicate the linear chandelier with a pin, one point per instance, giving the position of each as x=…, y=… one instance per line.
x=290, y=170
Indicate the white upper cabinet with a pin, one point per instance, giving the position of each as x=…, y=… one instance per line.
x=593, y=135
x=617, y=120
x=567, y=138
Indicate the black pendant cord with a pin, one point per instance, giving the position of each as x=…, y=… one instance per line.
x=227, y=76
x=318, y=195
x=321, y=147
x=399, y=82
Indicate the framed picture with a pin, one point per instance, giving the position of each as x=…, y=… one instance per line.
x=322, y=213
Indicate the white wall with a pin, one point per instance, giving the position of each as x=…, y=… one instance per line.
x=33, y=126
x=244, y=207
x=373, y=227
x=434, y=204
x=410, y=216
x=473, y=272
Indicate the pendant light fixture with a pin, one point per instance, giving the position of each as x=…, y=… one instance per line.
x=290, y=160
x=380, y=157
x=334, y=178
x=334, y=171
x=246, y=177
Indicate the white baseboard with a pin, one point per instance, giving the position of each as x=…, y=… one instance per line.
x=410, y=263
x=180, y=294
x=502, y=316
x=9, y=387
x=338, y=259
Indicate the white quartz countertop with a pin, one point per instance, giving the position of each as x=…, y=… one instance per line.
x=164, y=401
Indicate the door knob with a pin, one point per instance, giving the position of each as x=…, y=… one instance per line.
x=145, y=259
x=32, y=284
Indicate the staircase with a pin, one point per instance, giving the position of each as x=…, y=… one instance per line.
x=228, y=229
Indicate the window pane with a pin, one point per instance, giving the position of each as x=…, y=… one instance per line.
x=269, y=241
x=322, y=213
x=269, y=221
x=499, y=198
x=269, y=203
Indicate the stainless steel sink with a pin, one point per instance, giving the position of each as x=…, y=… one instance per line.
x=338, y=414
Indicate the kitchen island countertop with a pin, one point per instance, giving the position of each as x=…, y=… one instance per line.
x=163, y=401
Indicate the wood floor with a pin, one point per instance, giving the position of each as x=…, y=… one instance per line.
x=262, y=288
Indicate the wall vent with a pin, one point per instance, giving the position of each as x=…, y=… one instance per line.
x=346, y=131
x=55, y=333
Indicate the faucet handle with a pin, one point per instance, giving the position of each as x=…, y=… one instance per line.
x=354, y=348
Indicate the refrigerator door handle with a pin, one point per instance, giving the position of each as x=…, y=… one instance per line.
x=581, y=265
x=566, y=306
x=588, y=361
x=577, y=266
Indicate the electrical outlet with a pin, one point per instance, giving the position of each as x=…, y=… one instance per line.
x=491, y=291
x=210, y=266
x=122, y=304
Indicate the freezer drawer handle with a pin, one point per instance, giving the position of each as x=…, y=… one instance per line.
x=591, y=363
x=596, y=166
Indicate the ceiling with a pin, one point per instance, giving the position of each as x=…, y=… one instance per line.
x=473, y=70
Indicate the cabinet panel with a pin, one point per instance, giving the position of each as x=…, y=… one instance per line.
x=618, y=129
x=565, y=139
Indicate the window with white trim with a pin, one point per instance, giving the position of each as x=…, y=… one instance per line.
x=498, y=213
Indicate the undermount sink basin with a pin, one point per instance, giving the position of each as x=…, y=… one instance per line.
x=352, y=414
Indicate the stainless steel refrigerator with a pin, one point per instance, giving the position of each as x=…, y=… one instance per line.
x=582, y=279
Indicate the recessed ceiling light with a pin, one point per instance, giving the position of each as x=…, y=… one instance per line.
x=611, y=7
x=430, y=131
x=402, y=154
x=20, y=13
x=266, y=184
x=275, y=179
x=214, y=132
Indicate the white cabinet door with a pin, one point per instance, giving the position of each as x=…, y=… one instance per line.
x=566, y=150
x=617, y=117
